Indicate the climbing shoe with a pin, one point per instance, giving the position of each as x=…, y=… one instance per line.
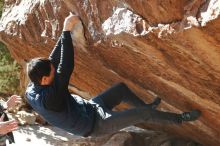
x=190, y=116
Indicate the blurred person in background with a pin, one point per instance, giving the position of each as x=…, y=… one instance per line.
x=6, y=125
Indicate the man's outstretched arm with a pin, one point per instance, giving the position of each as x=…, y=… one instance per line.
x=66, y=63
x=65, y=50
x=55, y=54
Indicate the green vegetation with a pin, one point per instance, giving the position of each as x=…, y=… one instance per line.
x=9, y=72
x=1, y=5
x=9, y=69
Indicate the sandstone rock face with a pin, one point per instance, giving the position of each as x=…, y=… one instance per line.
x=157, y=47
x=26, y=118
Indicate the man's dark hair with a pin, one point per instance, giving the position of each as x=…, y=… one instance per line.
x=37, y=68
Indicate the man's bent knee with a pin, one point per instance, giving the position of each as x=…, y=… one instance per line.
x=121, y=85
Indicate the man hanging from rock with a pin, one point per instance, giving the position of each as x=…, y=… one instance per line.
x=48, y=94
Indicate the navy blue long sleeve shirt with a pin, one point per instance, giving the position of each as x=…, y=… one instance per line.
x=54, y=102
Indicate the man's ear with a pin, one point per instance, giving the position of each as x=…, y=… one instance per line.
x=44, y=80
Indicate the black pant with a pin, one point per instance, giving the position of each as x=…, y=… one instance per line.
x=109, y=121
x=116, y=94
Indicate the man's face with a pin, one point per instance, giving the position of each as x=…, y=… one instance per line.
x=47, y=80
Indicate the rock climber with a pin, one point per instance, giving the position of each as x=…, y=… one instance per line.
x=48, y=94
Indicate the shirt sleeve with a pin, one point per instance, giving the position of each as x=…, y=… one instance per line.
x=55, y=54
x=66, y=63
x=64, y=51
